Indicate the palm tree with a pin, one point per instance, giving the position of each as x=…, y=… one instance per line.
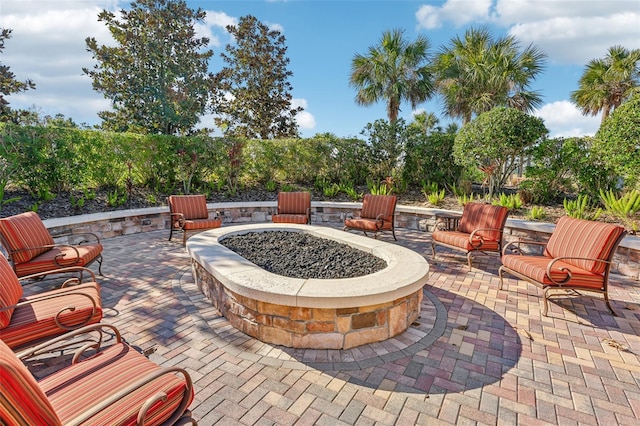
x=608, y=82
x=394, y=71
x=477, y=73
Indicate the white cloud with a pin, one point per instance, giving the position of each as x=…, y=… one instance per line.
x=569, y=31
x=563, y=119
x=459, y=12
x=305, y=120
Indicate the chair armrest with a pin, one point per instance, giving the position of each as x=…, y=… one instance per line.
x=70, y=281
x=65, y=340
x=66, y=308
x=477, y=244
x=177, y=217
x=142, y=412
x=567, y=270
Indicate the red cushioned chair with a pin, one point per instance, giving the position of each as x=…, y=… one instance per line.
x=376, y=216
x=293, y=207
x=190, y=213
x=577, y=257
x=479, y=230
x=116, y=385
x=27, y=320
x=32, y=249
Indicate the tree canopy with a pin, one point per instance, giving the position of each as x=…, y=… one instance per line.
x=8, y=83
x=496, y=141
x=617, y=141
x=254, y=92
x=395, y=70
x=156, y=75
x=477, y=72
x=607, y=82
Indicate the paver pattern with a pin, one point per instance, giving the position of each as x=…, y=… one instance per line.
x=476, y=355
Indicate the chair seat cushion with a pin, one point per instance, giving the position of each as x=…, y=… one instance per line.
x=190, y=225
x=366, y=224
x=36, y=320
x=535, y=267
x=289, y=218
x=60, y=257
x=76, y=388
x=10, y=291
x=461, y=240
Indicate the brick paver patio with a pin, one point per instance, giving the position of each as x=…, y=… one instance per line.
x=476, y=355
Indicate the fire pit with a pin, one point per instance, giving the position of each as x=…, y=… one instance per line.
x=310, y=313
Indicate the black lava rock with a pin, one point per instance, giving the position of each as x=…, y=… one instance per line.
x=300, y=255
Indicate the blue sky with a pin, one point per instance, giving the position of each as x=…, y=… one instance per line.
x=322, y=37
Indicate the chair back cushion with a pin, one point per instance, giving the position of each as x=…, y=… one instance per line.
x=191, y=206
x=584, y=239
x=374, y=205
x=23, y=231
x=480, y=215
x=294, y=202
x=22, y=401
x=10, y=291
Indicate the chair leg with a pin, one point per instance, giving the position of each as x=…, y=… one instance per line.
x=99, y=260
x=608, y=302
x=170, y=233
x=433, y=249
x=469, y=260
x=184, y=238
x=500, y=272
x=393, y=231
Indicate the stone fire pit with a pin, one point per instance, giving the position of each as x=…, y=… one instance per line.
x=310, y=313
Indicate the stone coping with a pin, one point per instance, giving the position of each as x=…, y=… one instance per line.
x=406, y=271
x=629, y=242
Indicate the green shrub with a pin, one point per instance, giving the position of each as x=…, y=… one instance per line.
x=537, y=213
x=580, y=209
x=625, y=208
x=511, y=201
x=436, y=198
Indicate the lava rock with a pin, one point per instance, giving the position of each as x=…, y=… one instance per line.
x=300, y=255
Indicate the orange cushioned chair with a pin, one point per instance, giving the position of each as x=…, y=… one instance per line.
x=32, y=249
x=577, y=257
x=479, y=230
x=377, y=215
x=190, y=213
x=293, y=207
x=25, y=320
x=115, y=386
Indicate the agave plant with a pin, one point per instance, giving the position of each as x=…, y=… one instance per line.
x=625, y=208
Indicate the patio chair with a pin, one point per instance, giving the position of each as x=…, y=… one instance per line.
x=479, y=230
x=26, y=320
x=190, y=213
x=116, y=385
x=577, y=257
x=31, y=248
x=293, y=207
x=377, y=215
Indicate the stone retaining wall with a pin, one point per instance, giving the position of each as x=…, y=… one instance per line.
x=124, y=222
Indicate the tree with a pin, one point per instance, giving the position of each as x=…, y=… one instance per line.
x=254, y=96
x=496, y=141
x=9, y=84
x=156, y=76
x=394, y=71
x=617, y=142
x=607, y=82
x=477, y=73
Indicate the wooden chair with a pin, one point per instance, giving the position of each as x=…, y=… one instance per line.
x=25, y=320
x=479, y=230
x=377, y=215
x=115, y=385
x=32, y=249
x=577, y=257
x=190, y=213
x=293, y=207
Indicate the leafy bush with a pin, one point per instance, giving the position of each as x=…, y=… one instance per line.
x=537, y=213
x=625, y=208
x=511, y=201
x=616, y=142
